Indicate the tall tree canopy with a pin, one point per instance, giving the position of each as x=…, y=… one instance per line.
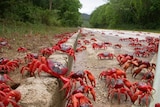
x=50, y=12
x=118, y=13
x=68, y=13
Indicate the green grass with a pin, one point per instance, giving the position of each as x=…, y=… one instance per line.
x=9, y=29
x=18, y=28
x=133, y=27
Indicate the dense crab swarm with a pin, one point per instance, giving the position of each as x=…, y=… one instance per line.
x=7, y=94
x=32, y=62
x=116, y=78
x=78, y=85
x=77, y=95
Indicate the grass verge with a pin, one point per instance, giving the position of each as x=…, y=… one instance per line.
x=12, y=29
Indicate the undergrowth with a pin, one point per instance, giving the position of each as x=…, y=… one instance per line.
x=10, y=29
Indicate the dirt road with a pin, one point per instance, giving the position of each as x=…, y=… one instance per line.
x=87, y=60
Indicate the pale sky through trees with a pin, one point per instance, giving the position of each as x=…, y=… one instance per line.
x=88, y=6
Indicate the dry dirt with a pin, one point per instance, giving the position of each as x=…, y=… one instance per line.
x=33, y=43
x=87, y=60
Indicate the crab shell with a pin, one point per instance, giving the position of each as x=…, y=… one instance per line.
x=65, y=47
x=57, y=67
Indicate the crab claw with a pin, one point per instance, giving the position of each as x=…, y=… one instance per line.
x=92, y=91
x=120, y=72
x=91, y=78
x=134, y=96
x=16, y=94
x=67, y=84
x=12, y=97
x=83, y=99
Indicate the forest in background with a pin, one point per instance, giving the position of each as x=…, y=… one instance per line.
x=115, y=14
x=48, y=12
x=127, y=14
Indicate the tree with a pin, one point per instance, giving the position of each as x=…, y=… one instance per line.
x=69, y=12
x=138, y=13
x=50, y=12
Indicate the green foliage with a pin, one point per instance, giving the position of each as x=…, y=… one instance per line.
x=48, y=12
x=69, y=13
x=137, y=13
x=50, y=18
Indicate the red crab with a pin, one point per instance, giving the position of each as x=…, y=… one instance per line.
x=115, y=72
x=86, y=42
x=79, y=42
x=119, y=91
x=46, y=51
x=78, y=100
x=62, y=47
x=119, y=88
x=4, y=78
x=143, y=65
x=108, y=43
x=93, y=39
x=121, y=82
x=12, y=97
x=117, y=45
x=70, y=84
x=138, y=63
x=133, y=44
x=142, y=91
x=134, y=95
x=30, y=56
x=144, y=87
x=105, y=55
x=43, y=64
x=99, y=46
x=3, y=61
x=9, y=65
x=63, y=40
x=9, y=96
x=112, y=73
x=141, y=53
x=148, y=76
x=82, y=74
x=86, y=89
x=129, y=63
x=81, y=48
x=22, y=49
x=65, y=48
x=122, y=58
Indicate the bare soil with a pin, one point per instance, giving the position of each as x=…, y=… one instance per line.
x=33, y=43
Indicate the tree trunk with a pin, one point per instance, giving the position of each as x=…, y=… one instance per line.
x=50, y=4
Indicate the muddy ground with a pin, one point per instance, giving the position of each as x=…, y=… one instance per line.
x=87, y=60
